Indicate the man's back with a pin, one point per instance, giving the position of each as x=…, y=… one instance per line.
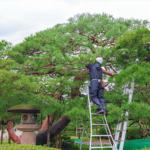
x=95, y=71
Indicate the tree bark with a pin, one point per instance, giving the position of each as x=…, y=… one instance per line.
x=2, y=134
x=11, y=133
x=141, y=129
x=48, y=131
x=144, y=130
x=55, y=129
x=59, y=146
x=9, y=140
x=41, y=119
x=110, y=133
x=56, y=141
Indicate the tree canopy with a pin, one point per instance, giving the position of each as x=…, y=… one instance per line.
x=48, y=70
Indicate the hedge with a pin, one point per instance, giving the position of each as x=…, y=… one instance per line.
x=24, y=147
x=133, y=133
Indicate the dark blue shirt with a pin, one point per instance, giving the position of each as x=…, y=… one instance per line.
x=95, y=71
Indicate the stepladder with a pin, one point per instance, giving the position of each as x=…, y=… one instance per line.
x=80, y=129
x=102, y=123
x=122, y=127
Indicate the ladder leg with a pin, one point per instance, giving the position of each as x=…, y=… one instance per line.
x=123, y=135
x=90, y=118
x=117, y=134
x=81, y=141
x=109, y=132
x=101, y=142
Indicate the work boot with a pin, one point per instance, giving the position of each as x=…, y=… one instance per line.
x=100, y=111
x=104, y=109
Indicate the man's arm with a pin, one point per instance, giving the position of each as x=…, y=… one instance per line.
x=108, y=73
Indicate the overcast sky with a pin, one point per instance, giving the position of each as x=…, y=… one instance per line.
x=21, y=18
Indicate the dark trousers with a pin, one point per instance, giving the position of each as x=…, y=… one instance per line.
x=96, y=94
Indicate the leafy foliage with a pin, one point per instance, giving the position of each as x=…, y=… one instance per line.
x=47, y=70
x=133, y=133
x=14, y=146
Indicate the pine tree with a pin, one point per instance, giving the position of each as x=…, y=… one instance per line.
x=47, y=69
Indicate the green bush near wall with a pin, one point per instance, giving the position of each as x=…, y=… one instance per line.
x=24, y=147
x=133, y=133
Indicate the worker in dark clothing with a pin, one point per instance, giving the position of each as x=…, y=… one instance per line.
x=96, y=85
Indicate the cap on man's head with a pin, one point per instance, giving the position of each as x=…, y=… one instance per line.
x=99, y=59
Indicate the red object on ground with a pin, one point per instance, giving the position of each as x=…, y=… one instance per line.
x=11, y=133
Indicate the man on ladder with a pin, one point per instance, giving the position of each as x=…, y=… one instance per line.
x=96, y=86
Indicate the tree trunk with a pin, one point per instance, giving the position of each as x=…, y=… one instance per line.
x=41, y=119
x=9, y=140
x=48, y=131
x=59, y=141
x=96, y=132
x=144, y=130
x=149, y=129
x=2, y=134
x=110, y=133
x=41, y=137
x=56, y=141
x=11, y=133
x=141, y=129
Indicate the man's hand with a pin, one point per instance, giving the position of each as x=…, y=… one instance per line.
x=113, y=74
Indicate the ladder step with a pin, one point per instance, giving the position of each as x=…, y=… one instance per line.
x=96, y=114
x=120, y=130
x=98, y=124
x=118, y=140
x=101, y=135
x=102, y=147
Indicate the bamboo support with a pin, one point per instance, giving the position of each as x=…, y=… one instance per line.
x=48, y=132
x=41, y=119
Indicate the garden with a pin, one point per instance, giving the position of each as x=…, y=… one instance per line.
x=44, y=81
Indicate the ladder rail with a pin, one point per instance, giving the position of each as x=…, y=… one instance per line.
x=104, y=123
x=117, y=133
x=126, y=122
x=107, y=133
x=126, y=90
x=90, y=118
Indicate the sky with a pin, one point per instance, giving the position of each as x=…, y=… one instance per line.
x=21, y=18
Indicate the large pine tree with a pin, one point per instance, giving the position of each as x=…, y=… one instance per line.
x=47, y=69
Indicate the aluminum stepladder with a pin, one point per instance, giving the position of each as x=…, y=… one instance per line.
x=81, y=130
x=118, y=129
x=105, y=124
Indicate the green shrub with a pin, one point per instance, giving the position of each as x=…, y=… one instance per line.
x=66, y=142
x=84, y=147
x=133, y=133
x=102, y=131
x=24, y=147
